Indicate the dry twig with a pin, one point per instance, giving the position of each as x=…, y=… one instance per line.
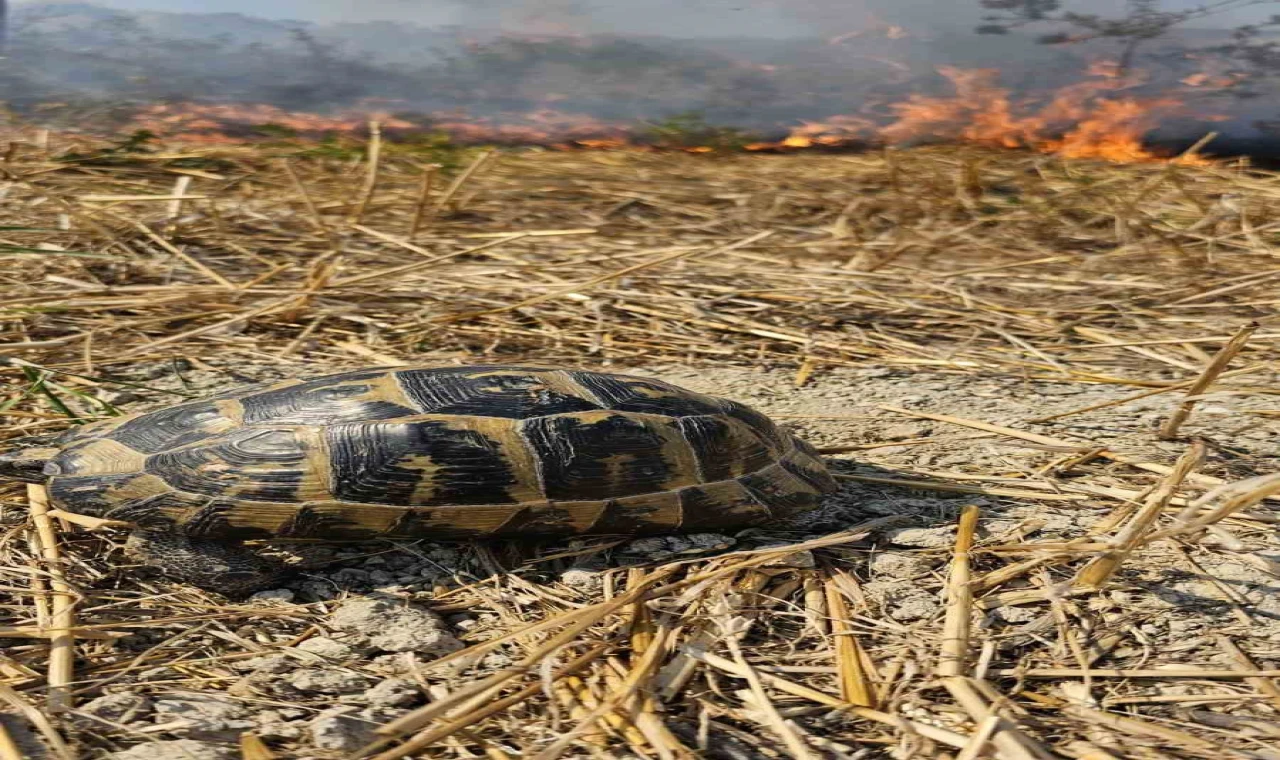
x=1207, y=379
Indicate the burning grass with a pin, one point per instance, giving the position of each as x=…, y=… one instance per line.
x=133, y=278
x=1107, y=114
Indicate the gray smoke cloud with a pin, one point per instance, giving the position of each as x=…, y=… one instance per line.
x=763, y=65
x=763, y=19
x=679, y=18
x=674, y=18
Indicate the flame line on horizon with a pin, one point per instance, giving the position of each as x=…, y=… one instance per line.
x=1093, y=118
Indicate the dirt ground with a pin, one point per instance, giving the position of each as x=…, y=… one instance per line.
x=320, y=661
x=912, y=314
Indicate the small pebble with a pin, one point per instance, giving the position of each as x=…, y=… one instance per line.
x=899, y=565
x=115, y=708
x=395, y=626
x=206, y=715
x=341, y=729
x=278, y=595
x=270, y=663
x=393, y=692
x=328, y=681
x=924, y=538
x=903, y=601
x=582, y=580
x=328, y=648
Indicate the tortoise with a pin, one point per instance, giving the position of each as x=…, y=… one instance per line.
x=462, y=452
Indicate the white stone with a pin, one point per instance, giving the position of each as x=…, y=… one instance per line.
x=328, y=648
x=341, y=730
x=924, y=538
x=328, y=681
x=116, y=708
x=214, y=717
x=395, y=626
x=393, y=692
x=273, y=596
x=899, y=565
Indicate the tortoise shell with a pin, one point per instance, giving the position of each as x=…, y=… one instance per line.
x=453, y=452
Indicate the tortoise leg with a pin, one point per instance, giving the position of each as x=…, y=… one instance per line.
x=223, y=566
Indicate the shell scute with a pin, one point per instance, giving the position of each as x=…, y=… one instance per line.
x=808, y=468
x=712, y=505
x=608, y=455
x=777, y=440
x=492, y=392
x=163, y=510
x=167, y=428
x=660, y=512
x=308, y=521
x=350, y=397
x=252, y=464
x=624, y=393
x=552, y=519
x=725, y=447
x=101, y=494
x=784, y=493
x=425, y=462
x=99, y=456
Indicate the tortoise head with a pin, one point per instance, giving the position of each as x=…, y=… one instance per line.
x=26, y=465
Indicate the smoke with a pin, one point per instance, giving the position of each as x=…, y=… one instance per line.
x=672, y=18
x=761, y=65
x=768, y=19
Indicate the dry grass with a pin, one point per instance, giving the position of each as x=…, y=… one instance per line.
x=959, y=260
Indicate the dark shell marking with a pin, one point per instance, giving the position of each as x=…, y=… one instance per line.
x=351, y=397
x=450, y=452
x=424, y=463
x=607, y=455
x=496, y=392
x=169, y=428
x=253, y=464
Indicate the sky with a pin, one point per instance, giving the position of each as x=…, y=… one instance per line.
x=772, y=18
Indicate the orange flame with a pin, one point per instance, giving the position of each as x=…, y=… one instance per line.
x=1082, y=120
x=1093, y=118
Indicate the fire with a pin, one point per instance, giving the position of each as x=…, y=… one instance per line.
x=835, y=132
x=1214, y=73
x=1112, y=132
x=1094, y=118
x=232, y=123
x=1216, y=81
x=1089, y=119
x=1110, y=70
x=979, y=112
